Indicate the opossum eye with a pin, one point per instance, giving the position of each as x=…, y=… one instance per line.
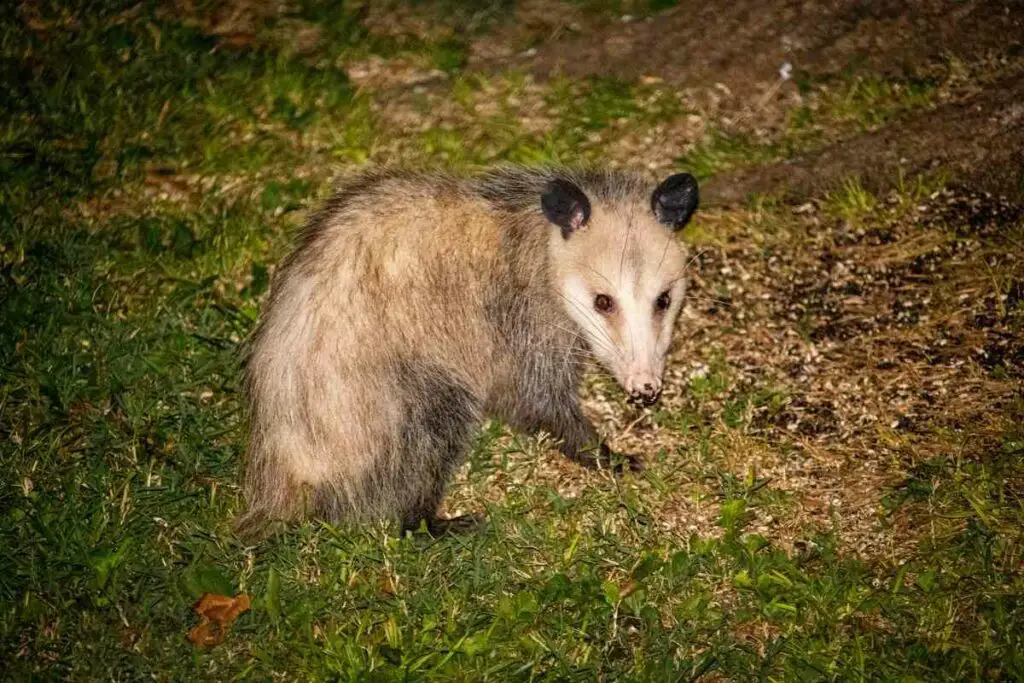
x=604, y=303
x=663, y=301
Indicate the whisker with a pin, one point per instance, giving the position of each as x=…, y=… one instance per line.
x=600, y=327
x=696, y=256
x=664, y=252
x=598, y=273
x=697, y=297
x=622, y=257
x=568, y=349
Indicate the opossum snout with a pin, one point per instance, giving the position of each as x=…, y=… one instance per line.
x=644, y=389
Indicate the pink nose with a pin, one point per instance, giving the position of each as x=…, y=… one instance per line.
x=644, y=388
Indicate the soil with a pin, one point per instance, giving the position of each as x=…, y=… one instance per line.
x=978, y=142
x=743, y=44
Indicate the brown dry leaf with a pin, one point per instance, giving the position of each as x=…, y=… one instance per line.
x=203, y=635
x=217, y=612
x=388, y=585
x=221, y=607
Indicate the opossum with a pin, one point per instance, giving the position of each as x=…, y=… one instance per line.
x=417, y=303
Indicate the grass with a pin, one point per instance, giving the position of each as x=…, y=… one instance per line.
x=851, y=201
x=150, y=180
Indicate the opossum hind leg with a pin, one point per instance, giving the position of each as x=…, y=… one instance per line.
x=441, y=415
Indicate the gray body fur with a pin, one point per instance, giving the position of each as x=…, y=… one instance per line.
x=414, y=305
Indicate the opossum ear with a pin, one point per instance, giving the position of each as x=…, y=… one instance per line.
x=675, y=200
x=565, y=205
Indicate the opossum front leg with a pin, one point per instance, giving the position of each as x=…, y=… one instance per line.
x=581, y=443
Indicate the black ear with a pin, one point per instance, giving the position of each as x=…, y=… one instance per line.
x=565, y=205
x=675, y=200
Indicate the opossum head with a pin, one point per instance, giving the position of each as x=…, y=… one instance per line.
x=618, y=269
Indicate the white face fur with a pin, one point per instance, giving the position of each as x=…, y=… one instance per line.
x=619, y=270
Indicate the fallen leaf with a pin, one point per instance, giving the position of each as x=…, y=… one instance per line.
x=203, y=635
x=221, y=607
x=217, y=612
x=388, y=585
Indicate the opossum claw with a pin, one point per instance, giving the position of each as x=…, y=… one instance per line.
x=441, y=526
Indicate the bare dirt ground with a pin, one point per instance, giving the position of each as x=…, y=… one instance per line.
x=979, y=141
x=881, y=339
x=742, y=45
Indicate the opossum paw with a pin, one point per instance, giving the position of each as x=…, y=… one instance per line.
x=440, y=526
x=625, y=462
